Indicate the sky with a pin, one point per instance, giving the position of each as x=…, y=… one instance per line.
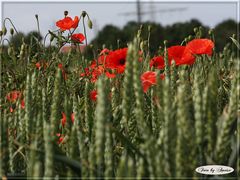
x=111, y=12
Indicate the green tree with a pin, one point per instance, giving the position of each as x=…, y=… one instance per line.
x=223, y=31
x=109, y=36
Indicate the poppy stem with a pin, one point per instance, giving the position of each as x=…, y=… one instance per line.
x=85, y=33
x=4, y=22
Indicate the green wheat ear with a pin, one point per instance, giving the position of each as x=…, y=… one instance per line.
x=88, y=110
x=198, y=115
x=102, y=116
x=184, y=130
x=56, y=104
x=138, y=92
x=4, y=153
x=109, y=156
x=227, y=121
x=49, y=151
x=28, y=110
x=127, y=94
x=122, y=170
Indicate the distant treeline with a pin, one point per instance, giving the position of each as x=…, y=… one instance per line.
x=114, y=37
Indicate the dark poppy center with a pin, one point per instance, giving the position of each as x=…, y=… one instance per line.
x=122, y=61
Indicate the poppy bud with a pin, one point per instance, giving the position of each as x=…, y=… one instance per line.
x=1, y=33
x=142, y=45
x=195, y=30
x=65, y=13
x=90, y=23
x=189, y=38
x=210, y=32
x=165, y=42
x=36, y=16
x=84, y=13
x=4, y=30
x=11, y=31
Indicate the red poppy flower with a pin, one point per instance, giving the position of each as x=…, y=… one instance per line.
x=61, y=137
x=11, y=109
x=22, y=104
x=93, y=71
x=181, y=55
x=115, y=60
x=60, y=66
x=148, y=79
x=72, y=117
x=67, y=23
x=105, y=51
x=200, y=46
x=13, y=96
x=93, y=95
x=64, y=119
x=79, y=38
x=96, y=72
x=38, y=65
x=110, y=75
x=157, y=62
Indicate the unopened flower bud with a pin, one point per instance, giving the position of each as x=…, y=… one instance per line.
x=11, y=31
x=165, y=42
x=65, y=13
x=36, y=16
x=210, y=32
x=90, y=23
x=84, y=13
x=142, y=45
x=4, y=30
x=189, y=37
x=195, y=29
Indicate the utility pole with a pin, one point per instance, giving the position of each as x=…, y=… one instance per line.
x=139, y=12
x=152, y=11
